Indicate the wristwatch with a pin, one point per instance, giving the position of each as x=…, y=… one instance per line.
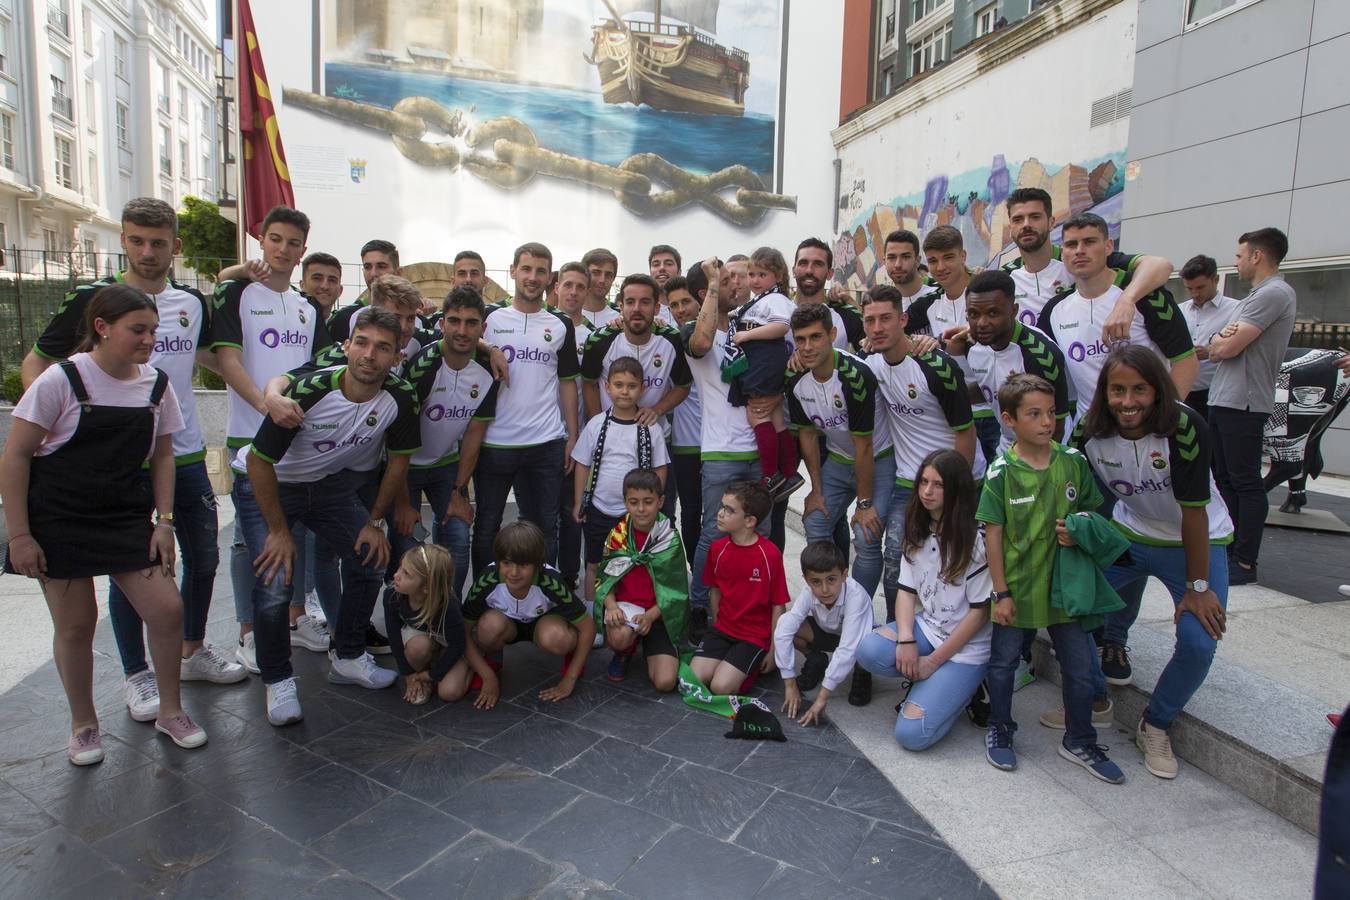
x=164, y=518
x=864, y=504
x=376, y=523
x=1199, y=585
x=463, y=491
x=1002, y=595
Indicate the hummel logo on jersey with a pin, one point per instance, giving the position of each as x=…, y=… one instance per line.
x=1110, y=463
x=1018, y=501
x=262, y=312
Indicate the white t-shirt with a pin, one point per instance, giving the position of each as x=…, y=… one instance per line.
x=850, y=617
x=619, y=457
x=540, y=349
x=686, y=422
x=50, y=402
x=770, y=308
x=725, y=432
x=944, y=606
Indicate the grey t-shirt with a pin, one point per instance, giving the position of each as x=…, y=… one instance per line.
x=1247, y=381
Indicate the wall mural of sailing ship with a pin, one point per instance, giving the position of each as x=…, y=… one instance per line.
x=669, y=64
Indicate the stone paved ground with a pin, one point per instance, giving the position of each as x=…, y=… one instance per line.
x=617, y=791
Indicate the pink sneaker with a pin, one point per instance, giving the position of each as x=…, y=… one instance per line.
x=85, y=747
x=182, y=731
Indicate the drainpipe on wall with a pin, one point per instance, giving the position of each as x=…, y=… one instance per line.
x=838, y=177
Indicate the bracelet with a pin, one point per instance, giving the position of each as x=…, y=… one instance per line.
x=15, y=537
x=168, y=525
x=906, y=642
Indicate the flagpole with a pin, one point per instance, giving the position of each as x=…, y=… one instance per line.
x=237, y=144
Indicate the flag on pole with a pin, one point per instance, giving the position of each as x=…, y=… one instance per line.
x=267, y=180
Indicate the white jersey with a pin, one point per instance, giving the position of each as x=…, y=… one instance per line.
x=540, y=350
x=599, y=318
x=274, y=332
x=927, y=404
x=944, y=606
x=1030, y=351
x=449, y=399
x=1035, y=289
x=725, y=432
x=661, y=357
x=843, y=406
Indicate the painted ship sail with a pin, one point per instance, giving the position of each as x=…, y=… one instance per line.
x=671, y=62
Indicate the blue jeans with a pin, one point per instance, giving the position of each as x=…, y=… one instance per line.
x=536, y=475
x=839, y=488
x=332, y=509
x=452, y=533
x=1194, y=648
x=895, y=535
x=194, y=524
x=940, y=697
x=717, y=475
x=989, y=433
x=1077, y=655
x=303, y=582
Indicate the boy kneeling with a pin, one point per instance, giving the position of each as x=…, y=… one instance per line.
x=519, y=598
x=644, y=585
x=832, y=613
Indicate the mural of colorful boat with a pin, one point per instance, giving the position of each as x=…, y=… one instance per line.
x=677, y=66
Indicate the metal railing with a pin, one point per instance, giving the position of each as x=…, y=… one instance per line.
x=63, y=106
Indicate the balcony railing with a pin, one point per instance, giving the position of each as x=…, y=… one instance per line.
x=63, y=106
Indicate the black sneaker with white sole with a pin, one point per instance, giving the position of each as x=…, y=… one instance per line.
x=376, y=643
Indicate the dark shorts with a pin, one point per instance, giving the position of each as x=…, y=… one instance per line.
x=767, y=363
x=597, y=528
x=525, y=630
x=820, y=638
x=741, y=654
x=657, y=642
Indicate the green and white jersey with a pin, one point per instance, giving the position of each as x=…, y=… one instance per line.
x=548, y=594
x=1075, y=324
x=1026, y=502
x=1154, y=476
x=725, y=434
x=599, y=318
x=664, y=366
x=184, y=328
x=274, y=332
x=840, y=407
x=541, y=351
x=449, y=399
x=1035, y=289
x=933, y=312
x=1028, y=351
x=926, y=404
x=337, y=433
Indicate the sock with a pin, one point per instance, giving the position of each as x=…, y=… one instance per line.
x=787, y=453
x=766, y=439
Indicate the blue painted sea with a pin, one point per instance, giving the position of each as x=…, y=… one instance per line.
x=579, y=123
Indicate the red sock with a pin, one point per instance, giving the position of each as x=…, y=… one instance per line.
x=766, y=439
x=787, y=453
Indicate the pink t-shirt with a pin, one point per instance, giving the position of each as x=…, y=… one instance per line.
x=50, y=403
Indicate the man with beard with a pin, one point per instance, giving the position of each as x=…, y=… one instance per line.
x=903, y=258
x=811, y=270
x=150, y=241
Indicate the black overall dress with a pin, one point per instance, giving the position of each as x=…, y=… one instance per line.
x=88, y=508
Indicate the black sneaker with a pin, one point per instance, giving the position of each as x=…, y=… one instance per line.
x=978, y=707
x=787, y=486
x=812, y=670
x=860, y=691
x=1239, y=574
x=1116, y=663
x=376, y=643
x=772, y=483
x=1294, y=502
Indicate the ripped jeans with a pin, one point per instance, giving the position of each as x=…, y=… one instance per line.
x=939, y=698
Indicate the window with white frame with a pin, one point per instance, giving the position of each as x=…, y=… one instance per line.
x=165, y=152
x=165, y=88
x=120, y=56
x=90, y=255
x=985, y=19
x=62, y=104
x=122, y=126
x=5, y=28
x=87, y=32
x=7, y=140
x=920, y=8
x=932, y=50
x=1198, y=11
x=51, y=241
x=64, y=161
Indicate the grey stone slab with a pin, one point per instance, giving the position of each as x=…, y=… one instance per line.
x=813, y=836
x=21, y=705
x=572, y=886
x=584, y=700
x=463, y=722
x=20, y=819
x=796, y=768
x=366, y=743
x=688, y=864
x=45, y=778
x=510, y=802
x=54, y=863
x=478, y=866
x=310, y=807
x=324, y=713
x=632, y=718
x=36, y=738
x=542, y=743
x=222, y=730
x=598, y=836
x=617, y=769
x=864, y=790
x=826, y=737
x=890, y=856
x=790, y=883
x=264, y=865
x=708, y=800
x=700, y=737
x=237, y=775
x=159, y=851
x=390, y=840
x=433, y=769
x=341, y=886
x=114, y=803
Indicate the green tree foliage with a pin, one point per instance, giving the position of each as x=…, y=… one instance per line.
x=210, y=241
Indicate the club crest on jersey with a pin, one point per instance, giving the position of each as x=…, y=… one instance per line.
x=657, y=362
x=371, y=420
x=1070, y=492
x=473, y=391
x=548, y=335
x=838, y=402
x=183, y=319
x=1157, y=461
x=302, y=317
x=913, y=392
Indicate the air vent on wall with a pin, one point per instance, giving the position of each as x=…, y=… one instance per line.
x=1111, y=108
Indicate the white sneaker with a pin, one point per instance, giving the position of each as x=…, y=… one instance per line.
x=309, y=634
x=247, y=654
x=208, y=665
x=143, y=696
x=314, y=609
x=362, y=670
x=283, y=705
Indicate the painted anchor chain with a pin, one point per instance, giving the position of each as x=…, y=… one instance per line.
x=515, y=157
